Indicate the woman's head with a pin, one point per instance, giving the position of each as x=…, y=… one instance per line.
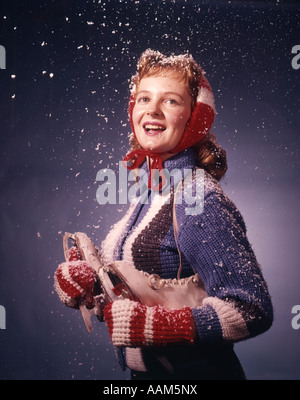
x=172, y=108
x=183, y=75
x=162, y=109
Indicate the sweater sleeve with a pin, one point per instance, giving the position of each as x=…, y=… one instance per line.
x=238, y=304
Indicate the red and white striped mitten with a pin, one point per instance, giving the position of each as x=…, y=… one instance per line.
x=74, y=281
x=132, y=324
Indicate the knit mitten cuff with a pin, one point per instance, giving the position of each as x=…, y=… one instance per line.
x=132, y=324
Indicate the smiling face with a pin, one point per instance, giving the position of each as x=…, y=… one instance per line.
x=162, y=109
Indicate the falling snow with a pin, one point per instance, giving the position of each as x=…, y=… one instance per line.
x=64, y=107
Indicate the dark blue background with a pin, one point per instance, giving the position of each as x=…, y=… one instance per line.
x=58, y=130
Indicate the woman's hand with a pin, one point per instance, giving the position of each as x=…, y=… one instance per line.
x=132, y=324
x=74, y=281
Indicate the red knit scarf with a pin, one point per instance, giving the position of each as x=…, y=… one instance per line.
x=137, y=157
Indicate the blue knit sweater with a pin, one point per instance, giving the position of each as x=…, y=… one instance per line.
x=213, y=244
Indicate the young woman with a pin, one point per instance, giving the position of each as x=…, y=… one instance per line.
x=171, y=113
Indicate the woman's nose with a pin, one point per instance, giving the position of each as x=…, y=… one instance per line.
x=154, y=109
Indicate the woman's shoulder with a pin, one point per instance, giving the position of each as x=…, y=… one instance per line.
x=198, y=186
x=211, y=185
x=202, y=196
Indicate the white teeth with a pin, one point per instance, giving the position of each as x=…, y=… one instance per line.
x=149, y=127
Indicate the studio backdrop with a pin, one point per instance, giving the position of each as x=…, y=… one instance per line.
x=64, y=89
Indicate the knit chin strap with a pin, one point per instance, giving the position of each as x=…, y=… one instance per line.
x=137, y=157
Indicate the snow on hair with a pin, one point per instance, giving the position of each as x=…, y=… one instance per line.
x=152, y=63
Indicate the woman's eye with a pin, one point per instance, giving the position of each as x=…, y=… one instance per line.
x=143, y=99
x=171, y=101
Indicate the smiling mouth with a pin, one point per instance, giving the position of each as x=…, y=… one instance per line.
x=154, y=128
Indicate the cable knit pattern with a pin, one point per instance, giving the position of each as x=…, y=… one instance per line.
x=227, y=265
x=214, y=245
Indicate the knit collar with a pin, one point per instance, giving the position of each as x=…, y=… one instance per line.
x=174, y=168
x=183, y=160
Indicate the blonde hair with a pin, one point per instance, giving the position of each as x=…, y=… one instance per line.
x=208, y=154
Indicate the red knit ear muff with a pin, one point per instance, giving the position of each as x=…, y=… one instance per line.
x=202, y=117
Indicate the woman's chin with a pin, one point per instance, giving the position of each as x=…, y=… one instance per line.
x=156, y=149
x=153, y=146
